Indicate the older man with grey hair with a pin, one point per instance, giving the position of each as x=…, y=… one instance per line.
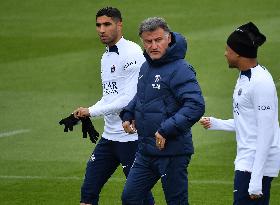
x=167, y=104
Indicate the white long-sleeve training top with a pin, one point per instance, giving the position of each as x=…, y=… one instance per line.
x=120, y=68
x=255, y=110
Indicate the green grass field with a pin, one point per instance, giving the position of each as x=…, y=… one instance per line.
x=50, y=64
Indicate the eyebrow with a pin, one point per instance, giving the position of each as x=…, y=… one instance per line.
x=107, y=23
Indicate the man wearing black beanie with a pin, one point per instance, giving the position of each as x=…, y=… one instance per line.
x=255, y=111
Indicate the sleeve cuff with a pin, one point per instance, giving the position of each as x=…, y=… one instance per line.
x=126, y=116
x=162, y=133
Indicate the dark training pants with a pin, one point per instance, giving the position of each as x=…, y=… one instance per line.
x=145, y=173
x=105, y=159
x=241, y=185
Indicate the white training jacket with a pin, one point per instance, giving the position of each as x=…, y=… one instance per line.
x=119, y=73
x=255, y=110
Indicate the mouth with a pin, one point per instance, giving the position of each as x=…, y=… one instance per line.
x=103, y=37
x=154, y=52
x=155, y=55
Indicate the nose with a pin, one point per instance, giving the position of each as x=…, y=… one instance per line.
x=101, y=29
x=225, y=53
x=154, y=45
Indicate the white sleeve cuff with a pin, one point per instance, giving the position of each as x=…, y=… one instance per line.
x=255, y=188
x=218, y=124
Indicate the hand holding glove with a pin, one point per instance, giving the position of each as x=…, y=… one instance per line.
x=87, y=126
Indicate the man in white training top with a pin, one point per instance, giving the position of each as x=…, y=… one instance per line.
x=255, y=111
x=120, y=66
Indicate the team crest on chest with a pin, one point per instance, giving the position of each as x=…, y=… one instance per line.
x=156, y=85
x=239, y=92
x=113, y=68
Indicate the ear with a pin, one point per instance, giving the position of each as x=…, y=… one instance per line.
x=169, y=38
x=119, y=25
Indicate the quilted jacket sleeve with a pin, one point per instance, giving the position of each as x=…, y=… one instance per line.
x=187, y=92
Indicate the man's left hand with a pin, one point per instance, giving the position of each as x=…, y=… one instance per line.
x=129, y=127
x=160, y=141
x=255, y=196
x=255, y=189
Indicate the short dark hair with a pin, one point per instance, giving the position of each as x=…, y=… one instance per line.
x=152, y=24
x=114, y=13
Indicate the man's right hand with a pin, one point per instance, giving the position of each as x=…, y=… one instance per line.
x=81, y=112
x=205, y=122
x=129, y=127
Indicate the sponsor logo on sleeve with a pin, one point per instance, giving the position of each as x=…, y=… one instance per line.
x=129, y=64
x=236, y=108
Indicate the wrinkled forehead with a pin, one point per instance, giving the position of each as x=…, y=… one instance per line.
x=154, y=34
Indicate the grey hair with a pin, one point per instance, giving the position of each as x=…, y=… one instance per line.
x=152, y=24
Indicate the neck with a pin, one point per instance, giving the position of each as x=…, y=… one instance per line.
x=115, y=41
x=247, y=63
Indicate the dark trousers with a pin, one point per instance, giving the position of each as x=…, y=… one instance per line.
x=241, y=185
x=105, y=159
x=145, y=173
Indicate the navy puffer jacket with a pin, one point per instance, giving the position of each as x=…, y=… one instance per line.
x=168, y=100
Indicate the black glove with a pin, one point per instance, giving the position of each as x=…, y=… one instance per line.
x=69, y=122
x=88, y=128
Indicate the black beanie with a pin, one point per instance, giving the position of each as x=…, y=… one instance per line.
x=245, y=40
